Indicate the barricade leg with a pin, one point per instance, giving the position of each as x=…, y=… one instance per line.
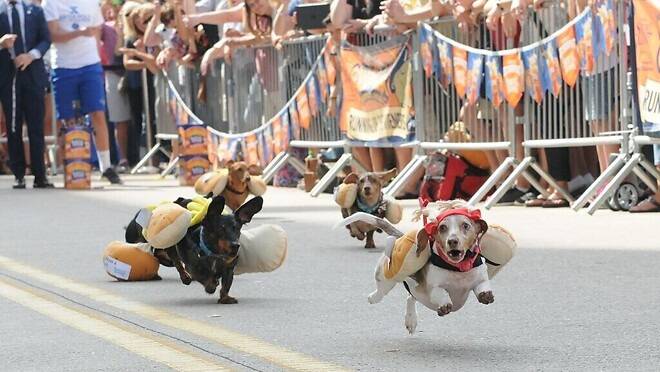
x=614, y=183
x=170, y=166
x=553, y=183
x=648, y=180
x=492, y=182
x=52, y=158
x=593, y=189
x=146, y=158
x=650, y=168
x=274, y=166
x=407, y=172
x=324, y=182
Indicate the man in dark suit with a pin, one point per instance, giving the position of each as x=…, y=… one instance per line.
x=24, y=39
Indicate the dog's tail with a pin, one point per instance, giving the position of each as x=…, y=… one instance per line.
x=377, y=222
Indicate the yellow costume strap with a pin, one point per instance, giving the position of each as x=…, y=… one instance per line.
x=198, y=207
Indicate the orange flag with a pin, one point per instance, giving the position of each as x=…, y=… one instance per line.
x=304, y=113
x=514, y=78
x=568, y=56
x=460, y=71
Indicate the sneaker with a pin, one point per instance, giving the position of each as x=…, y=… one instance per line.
x=511, y=196
x=112, y=176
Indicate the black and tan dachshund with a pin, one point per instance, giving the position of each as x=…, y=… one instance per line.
x=209, y=251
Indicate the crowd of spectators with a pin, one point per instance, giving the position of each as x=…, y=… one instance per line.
x=100, y=53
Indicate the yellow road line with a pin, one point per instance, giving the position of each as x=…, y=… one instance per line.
x=139, y=343
x=250, y=345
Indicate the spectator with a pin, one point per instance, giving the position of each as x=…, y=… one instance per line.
x=74, y=26
x=119, y=111
x=23, y=41
x=135, y=17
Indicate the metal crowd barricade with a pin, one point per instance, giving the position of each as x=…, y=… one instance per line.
x=437, y=109
x=298, y=58
x=591, y=113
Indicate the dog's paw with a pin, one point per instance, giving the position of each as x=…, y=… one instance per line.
x=370, y=245
x=411, y=323
x=186, y=280
x=374, y=298
x=486, y=297
x=227, y=300
x=445, y=309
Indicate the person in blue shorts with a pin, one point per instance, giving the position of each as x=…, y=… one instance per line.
x=75, y=26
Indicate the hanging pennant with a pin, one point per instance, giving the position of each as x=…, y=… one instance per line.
x=550, y=70
x=304, y=112
x=533, y=73
x=445, y=57
x=250, y=152
x=331, y=72
x=276, y=126
x=426, y=49
x=475, y=69
x=313, y=95
x=568, y=56
x=322, y=78
x=605, y=25
x=514, y=78
x=266, y=146
x=285, y=136
x=494, y=80
x=294, y=120
x=586, y=42
x=460, y=70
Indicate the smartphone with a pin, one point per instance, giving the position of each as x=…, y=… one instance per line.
x=312, y=16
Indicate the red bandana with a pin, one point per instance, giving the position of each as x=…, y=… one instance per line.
x=431, y=229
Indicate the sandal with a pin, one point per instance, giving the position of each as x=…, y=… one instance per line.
x=648, y=205
x=536, y=202
x=556, y=203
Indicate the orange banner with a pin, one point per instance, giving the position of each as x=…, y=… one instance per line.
x=647, y=46
x=304, y=112
x=377, y=89
x=251, y=152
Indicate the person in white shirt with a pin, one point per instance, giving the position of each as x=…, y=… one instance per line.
x=75, y=27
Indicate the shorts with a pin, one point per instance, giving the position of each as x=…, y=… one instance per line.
x=84, y=85
x=119, y=110
x=598, y=95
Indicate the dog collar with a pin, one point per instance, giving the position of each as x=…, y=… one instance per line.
x=202, y=245
x=366, y=208
x=471, y=260
x=233, y=190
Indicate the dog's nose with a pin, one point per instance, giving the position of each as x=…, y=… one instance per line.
x=367, y=188
x=453, y=243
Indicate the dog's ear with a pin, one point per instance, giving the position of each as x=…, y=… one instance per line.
x=385, y=177
x=255, y=170
x=351, y=178
x=246, y=211
x=483, y=227
x=422, y=241
x=229, y=163
x=216, y=207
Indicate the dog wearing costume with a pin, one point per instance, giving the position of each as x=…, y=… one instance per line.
x=235, y=183
x=364, y=194
x=454, y=253
x=172, y=234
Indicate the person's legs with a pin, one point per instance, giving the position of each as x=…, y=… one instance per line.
x=135, y=126
x=403, y=158
x=14, y=132
x=377, y=156
x=362, y=156
x=32, y=104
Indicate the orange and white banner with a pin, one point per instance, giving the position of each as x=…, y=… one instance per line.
x=647, y=46
x=514, y=78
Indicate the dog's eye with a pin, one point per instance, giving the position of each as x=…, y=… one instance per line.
x=443, y=228
x=466, y=226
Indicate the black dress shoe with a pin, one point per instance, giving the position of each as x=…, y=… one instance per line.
x=43, y=184
x=19, y=183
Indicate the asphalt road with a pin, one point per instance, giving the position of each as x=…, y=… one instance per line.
x=582, y=294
